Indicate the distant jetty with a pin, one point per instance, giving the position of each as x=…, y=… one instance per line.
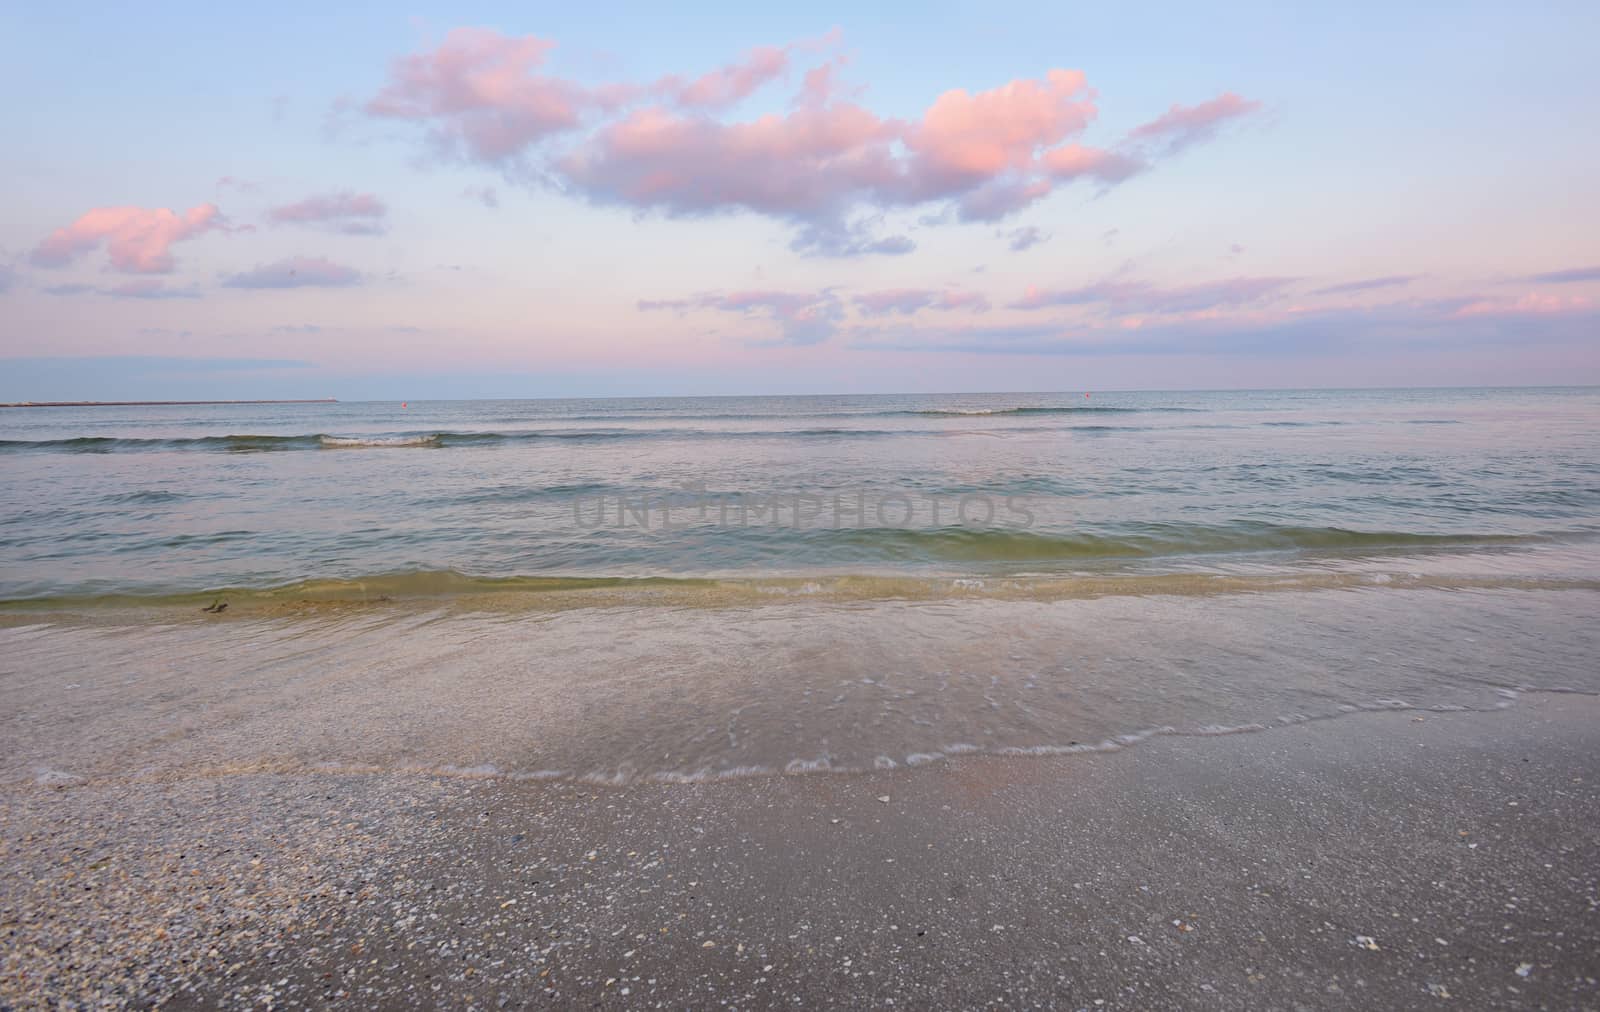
x=150, y=404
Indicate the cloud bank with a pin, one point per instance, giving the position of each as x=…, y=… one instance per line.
x=822, y=166
x=803, y=318
x=345, y=211
x=296, y=272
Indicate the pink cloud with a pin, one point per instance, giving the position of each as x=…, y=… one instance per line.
x=1181, y=126
x=345, y=211
x=482, y=91
x=1531, y=304
x=802, y=317
x=817, y=162
x=809, y=163
x=909, y=300
x=730, y=84
x=1074, y=161
x=970, y=137
x=296, y=272
x=661, y=146
x=992, y=153
x=138, y=240
x=820, y=84
x=1129, y=297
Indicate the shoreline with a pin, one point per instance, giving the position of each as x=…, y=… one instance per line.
x=424, y=591
x=706, y=693
x=1385, y=859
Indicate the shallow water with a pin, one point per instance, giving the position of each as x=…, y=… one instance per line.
x=161, y=500
x=619, y=694
x=428, y=588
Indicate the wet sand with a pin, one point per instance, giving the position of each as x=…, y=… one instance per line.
x=1385, y=860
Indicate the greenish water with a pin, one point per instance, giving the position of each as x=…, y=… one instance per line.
x=186, y=499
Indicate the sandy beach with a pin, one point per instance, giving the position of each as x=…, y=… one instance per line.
x=1382, y=859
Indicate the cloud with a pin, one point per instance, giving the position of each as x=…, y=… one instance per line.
x=1531, y=304
x=1574, y=275
x=909, y=300
x=1127, y=297
x=1294, y=333
x=854, y=239
x=482, y=96
x=148, y=288
x=296, y=272
x=138, y=240
x=242, y=185
x=1182, y=126
x=345, y=211
x=965, y=137
x=138, y=288
x=728, y=85
x=1368, y=284
x=803, y=318
x=484, y=195
x=1000, y=198
x=1027, y=237
x=989, y=152
x=825, y=166
x=965, y=337
x=810, y=165
x=821, y=83
x=140, y=365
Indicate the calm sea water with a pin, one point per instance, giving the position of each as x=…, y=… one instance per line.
x=161, y=500
x=697, y=589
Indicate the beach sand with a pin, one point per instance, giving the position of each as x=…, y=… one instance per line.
x=1385, y=860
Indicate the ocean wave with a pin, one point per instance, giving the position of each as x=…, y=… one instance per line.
x=641, y=416
x=364, y=442
x=245, y=443
x=439, y=440
x=990, y=544
x=1047, y=410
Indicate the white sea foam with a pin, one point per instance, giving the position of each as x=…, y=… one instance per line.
x=361, y=442
x=818, y=765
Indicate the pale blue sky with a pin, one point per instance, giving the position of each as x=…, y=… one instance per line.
x=1449, y=144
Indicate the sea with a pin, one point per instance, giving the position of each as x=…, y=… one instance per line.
x=684, y=589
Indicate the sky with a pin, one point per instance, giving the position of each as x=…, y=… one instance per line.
x=542, y=200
